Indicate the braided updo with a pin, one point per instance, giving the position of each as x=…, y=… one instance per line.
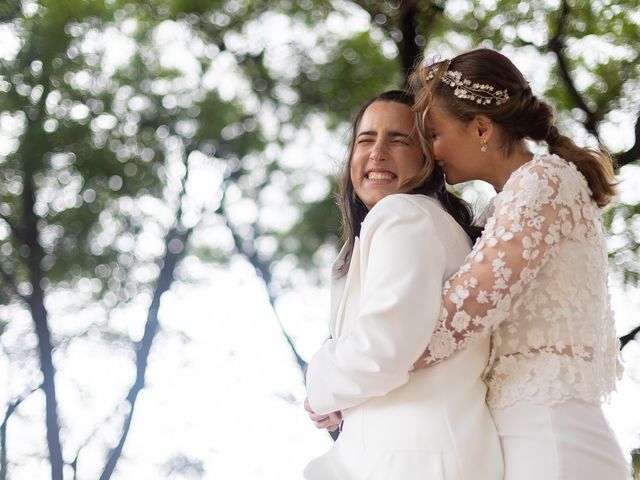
x=522, y=116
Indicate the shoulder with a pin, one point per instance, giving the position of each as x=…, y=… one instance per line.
x=551, y=168
x=416, y=213
x=411, y=217
x=402, y=207
x=399, y=227
x=405, y=203
x=545, y=178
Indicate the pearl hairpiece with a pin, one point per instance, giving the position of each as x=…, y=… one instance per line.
x=481, y=94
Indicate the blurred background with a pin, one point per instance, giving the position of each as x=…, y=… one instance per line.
x=167, y=221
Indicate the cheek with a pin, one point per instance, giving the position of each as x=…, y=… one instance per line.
x=438, y=149
x=417, y=161
x=354, y=170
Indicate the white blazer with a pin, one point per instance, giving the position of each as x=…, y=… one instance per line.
x=431, y=424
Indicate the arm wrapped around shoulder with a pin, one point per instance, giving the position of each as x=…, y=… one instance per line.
x=540, y=206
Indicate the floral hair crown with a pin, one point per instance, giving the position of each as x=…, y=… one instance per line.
x=481, y=94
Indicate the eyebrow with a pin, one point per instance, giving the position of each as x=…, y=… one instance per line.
x=392, y=133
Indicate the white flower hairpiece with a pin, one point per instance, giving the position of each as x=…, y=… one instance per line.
x=481, y=94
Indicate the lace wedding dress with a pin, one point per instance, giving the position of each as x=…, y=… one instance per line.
x=536, y=281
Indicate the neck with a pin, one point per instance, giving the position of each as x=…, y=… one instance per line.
x=503, y=166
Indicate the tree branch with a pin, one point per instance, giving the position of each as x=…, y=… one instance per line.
x=40, y=316
x=74, y=463
x=16, y=231
x=263, y=271
x=633, y=153
x=629, y=336
x=3, y=429
x=556, y=45
x=262, y=268
x=175, y=243
x=10, y=11
x=143, y=349
x=410, y=52
x=99, y=425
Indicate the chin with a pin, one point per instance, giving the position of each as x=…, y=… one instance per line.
x=370, y=202
x=452, y=179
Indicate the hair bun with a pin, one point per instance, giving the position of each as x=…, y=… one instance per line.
x=541, y=119
x=553, y=135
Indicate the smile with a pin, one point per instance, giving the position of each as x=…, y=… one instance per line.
x=380, y=176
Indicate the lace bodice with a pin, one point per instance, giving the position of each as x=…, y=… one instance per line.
x=537, y=282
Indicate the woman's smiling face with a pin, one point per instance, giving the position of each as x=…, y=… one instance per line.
x=386, y=152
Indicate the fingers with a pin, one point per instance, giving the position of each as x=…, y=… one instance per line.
x=324, y=423
x=336, y=420
x=307, y=407
x=335, y=417
x=318, y=418
x=331, y=421
x=327, y=423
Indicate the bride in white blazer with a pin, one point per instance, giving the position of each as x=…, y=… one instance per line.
x=401, y=245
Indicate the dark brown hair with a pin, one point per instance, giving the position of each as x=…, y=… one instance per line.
x=428, y=181
x=523, y=115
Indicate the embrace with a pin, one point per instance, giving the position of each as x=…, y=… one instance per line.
x=455, y=360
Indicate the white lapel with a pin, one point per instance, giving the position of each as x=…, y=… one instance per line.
x=354, y=265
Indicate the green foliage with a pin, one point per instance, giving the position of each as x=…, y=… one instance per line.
x=96, y=139
x=318, y=226
x=108, y=132
x=622, y=221
x=355, y=71
x=101, y=140
x=635, y=464
x=597, y=39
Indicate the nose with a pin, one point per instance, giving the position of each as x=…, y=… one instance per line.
x=377, y=153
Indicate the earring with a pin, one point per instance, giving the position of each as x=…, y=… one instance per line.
x=483, y=145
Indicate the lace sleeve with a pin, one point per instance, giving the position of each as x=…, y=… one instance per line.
x=539, y=206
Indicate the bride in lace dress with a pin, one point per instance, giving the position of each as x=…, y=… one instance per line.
x=536, y=281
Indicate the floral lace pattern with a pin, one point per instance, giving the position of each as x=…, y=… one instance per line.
x=537, y=282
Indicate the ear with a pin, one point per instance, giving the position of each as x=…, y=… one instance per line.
x=483, y=127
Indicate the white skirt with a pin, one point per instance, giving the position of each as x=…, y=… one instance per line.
x=568, y=441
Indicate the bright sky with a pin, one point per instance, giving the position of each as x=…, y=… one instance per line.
x=222, y=385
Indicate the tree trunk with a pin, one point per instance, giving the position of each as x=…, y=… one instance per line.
x=35, y=300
